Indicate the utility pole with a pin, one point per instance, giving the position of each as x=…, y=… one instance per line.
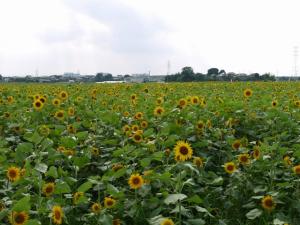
x=168, y=67
x=295, y=61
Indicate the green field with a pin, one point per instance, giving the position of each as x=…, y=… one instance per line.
x=158, y=154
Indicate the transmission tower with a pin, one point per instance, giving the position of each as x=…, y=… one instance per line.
x=295, y=61
x=168, y=67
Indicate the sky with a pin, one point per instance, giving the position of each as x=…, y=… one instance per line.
x=140, y=36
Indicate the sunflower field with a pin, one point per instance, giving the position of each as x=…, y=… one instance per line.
x=157, y=153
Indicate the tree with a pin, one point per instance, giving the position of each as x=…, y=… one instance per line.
x=99, y=77
x=187, y=74
x=212, y=71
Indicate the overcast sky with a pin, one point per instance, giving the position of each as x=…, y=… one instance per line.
x=138, y=36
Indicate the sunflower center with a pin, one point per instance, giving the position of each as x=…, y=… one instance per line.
x=37, y=104
x=230, y=167
x=49, y=189
x=57, y=215
x=184, y=150
x=109, y=202
x=12, y=173
x=137, y=137
x=244, y=159
x=136, y=180
x=269, y=202
x=19, y=218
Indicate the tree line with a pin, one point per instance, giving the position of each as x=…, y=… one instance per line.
x=187, y=74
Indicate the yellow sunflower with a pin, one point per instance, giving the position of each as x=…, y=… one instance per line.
x=109, y=202
x=38, y=105
x=71, y=111
x=63, y=95
x=144, y=124
x=134, y=128
x=138, y=116
x=57, y=214
x=95, y=151
x=167, y=222
x=159, y=111
x=296, y=169
x=77, y=196
x=137, y=138
x=56, y=102
x=274, y=103
x=13, y=173
x=18, y=218
x=268, y=203
x=248, y=92
x=287, y=160
x=48, y=189
x=229, y=167
x=244, y=159
x=183, y=151
x=116, y=222
x=59, y=115
x=135, y=181
x=96, y=208
x=182, y=103
x=256, y=152
x=236, y=144
x=198, y=162
x=200, y=125
x=71, y=129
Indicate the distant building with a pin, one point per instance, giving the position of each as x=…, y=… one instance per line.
x=71, y=75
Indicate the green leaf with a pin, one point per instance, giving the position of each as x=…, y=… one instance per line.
x=61, y=188
x=254, y=213
x=120, y=173
x=41, y=167
x=25, y=147
x=82, y=135
x=173, y=198
x=22, y=205
x=145, y=162
x=196, y=221
x=81, y=161
x=33, y=138
x=52, y=172
x=85, y=186
x=33, y=222
x=3, y=213
x=68, y=142
x=195, y=199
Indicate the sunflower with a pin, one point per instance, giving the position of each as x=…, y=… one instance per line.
x=183, y=151
x=297, y=103
x=71, y=111
x=244, y=159
x=135, y=181
x=71, y=129
x=256, y=153
x=274, y=103
x=109, y=202
x=96, y=208
x=159, y=111
x=77, y=196
x=268, y=203
x=117, y=166
x=63, y=95
x=159, y=101
x=134, y=128
x=138, y=116
x=38, y=105
x=59, y=115
x=57, y=214
x=133, y=97
x=248, y=92
x=13, y=173
x=43, y=99
x=18, y=218
x=287, y=160
x=95, y=151
x=126, y=114
x=182, y=103
x=200, y=125
x=61, y=149
x=48, y=189
x=229, y=167
x=2, y=206
x=195, y=100
x=296, y=169
x=236, y=144
x=167, y=222
x=144, y=124
x=116, y=222
x=208, y=124
x=198, y=162
x=137, y=138
x=56, y=102
x=10, y=99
